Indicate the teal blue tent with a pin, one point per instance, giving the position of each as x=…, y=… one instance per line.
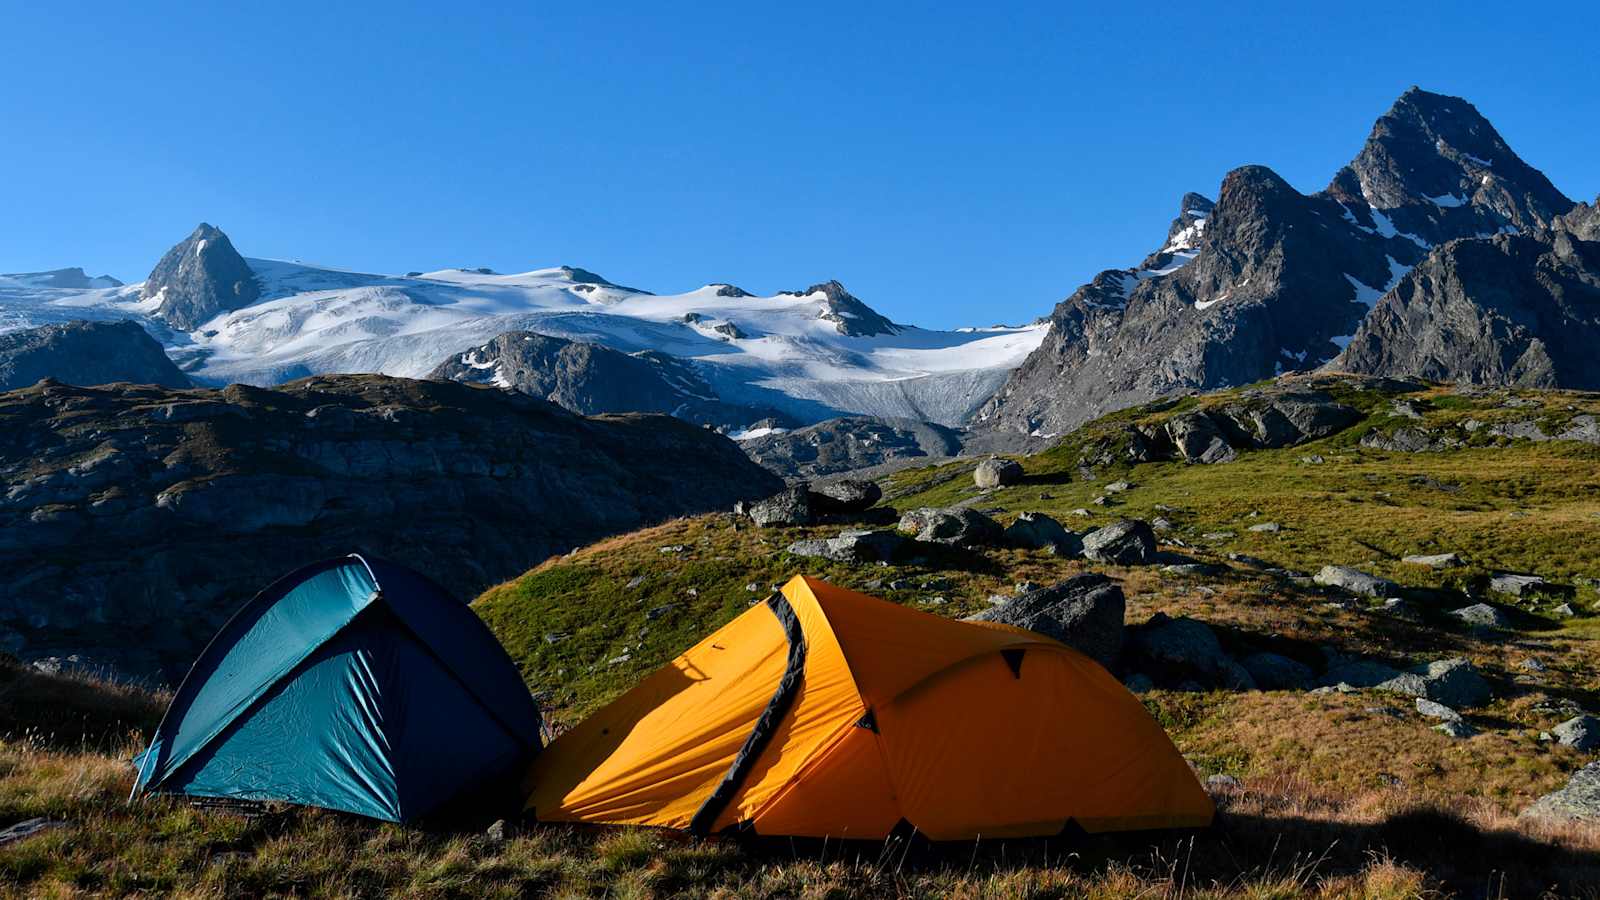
x=351, y=684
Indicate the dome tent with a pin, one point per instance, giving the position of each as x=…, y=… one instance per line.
x=352, y=684
x=828, y=713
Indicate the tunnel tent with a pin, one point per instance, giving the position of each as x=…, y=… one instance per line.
x=828, y=713
x=352, y=684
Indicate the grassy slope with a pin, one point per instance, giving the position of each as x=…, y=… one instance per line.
x=1336, y=798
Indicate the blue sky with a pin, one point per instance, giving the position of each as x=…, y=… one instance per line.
x=951, y=164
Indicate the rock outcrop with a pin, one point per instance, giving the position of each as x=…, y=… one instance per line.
x=1084, y=612
x=85, y=353
x=134, y=520
x=850, y=444
x=200, y=277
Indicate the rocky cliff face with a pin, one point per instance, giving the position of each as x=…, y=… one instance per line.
x=202, y=276
x=1270, y=280
x=1520, y=310
x=850, y=444
x=134, y=520
x=85, y=353
x=589, y=378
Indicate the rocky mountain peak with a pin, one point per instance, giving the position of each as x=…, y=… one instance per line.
x=1436, y=167
x=201, y=276
x=851, y=316
x=583, y=276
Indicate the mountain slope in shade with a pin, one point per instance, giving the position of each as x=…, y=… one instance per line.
x=1275, y=280
x=85, y=353
x=589, y=378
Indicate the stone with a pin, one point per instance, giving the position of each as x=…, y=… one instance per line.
x=1434, y=710
x=1161, y=523
x=1084, y=612
x=1457, y=730
x=1355, y=581
x=849, y=495
x=1517, y=585
x=1197, y=439
x=1117, y=487
x=1435, y=560
x=1186, y=649
x=1578, y=801
x=997, y=472
x=1453, y=682
x=1193, y=569
x=1579, y=732
x=789, y=507
x=1564, y=611
x=1128, y=542
x=1041, y=532
x=1481, y=615
x=1274, y=672
x=1358, y=673
x=956, y=525
x=1222, y=784
x=496, y=832
x=1269, y=527
x=860, y=546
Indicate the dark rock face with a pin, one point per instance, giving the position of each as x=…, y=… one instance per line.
x=134, y=520
x=849, y=444
x=1183, y=649
x=1130, y=542
x=789, y=507
x=1518, y=310
x=589, y=378
x=85, y=353
x=951, y=525
x=848, y=495
x=200, y=277
x=849, y=315
x=1084, y=612
x=1272, y=280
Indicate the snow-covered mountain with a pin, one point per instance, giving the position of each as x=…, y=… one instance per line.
x=814, y=353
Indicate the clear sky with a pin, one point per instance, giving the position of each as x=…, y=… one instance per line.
x=952, y=164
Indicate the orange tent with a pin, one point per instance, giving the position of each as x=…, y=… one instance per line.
x=825, y=712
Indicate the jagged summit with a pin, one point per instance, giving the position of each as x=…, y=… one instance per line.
x=200, y=277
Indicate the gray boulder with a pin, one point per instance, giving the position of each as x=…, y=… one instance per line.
x=1041, y=532
x=1198, y=439
x=1129, y=542
x=791, y=506
x=951, y=525
x=1457, y=729
x=1579, y=801
x=997, y=472
x=1482, y=615
x=1517, y=585
x=1357, y=673
x=1435, y=560
x=1435, y=710
x=1581, y=732
x=1355, y=581
x=1274, y=672
x=1453, y=682
x=1084, y=612
x=1187, y=649
x=854, y=547
x=848, y=495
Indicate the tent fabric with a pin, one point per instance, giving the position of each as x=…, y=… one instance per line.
x=350, y=684
x=962, y=730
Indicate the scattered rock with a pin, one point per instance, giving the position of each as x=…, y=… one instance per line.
x=1579, y=801
x=997, y=472
x=854, y=547
x=1453, y=682
x=1266, y=527
x=1358, y=673
x=1400, y=608
x=1193, y=569
x=1041, y=532
x=1434, y=710
x=845, y=496
x=1580, y=732
x=1482, y=615
x=496, y=833
x=791, y=506
x=1517, y=585
x=1456, y=729
x=1274, y=672
x=1186, y=649
x=1117, y=487
x=1221, y=783
x=951, y=525
x=1127, y=542
x=1197, y=439
x=1355, y=581
x=1084, y=612
x=1435, y=560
